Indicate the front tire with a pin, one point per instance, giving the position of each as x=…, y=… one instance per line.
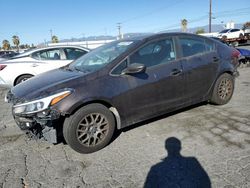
x=89, y=129
x=223, y=89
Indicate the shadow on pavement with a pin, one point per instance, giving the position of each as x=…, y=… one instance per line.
x=177, y=171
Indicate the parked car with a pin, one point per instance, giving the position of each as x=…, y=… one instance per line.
x=30, y=63
x=122, y=83
x=245, y=55
x=7, y=54
x=231, y=33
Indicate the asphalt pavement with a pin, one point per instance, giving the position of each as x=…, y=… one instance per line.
x=202, y=146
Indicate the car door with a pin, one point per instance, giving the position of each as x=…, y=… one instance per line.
x=48, y=59
x=156, y=90
x=200, y=63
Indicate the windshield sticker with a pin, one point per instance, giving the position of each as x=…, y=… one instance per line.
x=172, y=55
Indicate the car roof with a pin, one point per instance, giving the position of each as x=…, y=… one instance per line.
x=159, y=35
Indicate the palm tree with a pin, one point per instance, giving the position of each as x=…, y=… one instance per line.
x=54, y=39
x=6, y=44
x=16, y=41
x=184, y=23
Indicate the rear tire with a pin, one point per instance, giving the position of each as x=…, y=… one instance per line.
x=223, y=89
x=89, y=129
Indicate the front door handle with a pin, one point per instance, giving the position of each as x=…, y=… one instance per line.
x=176, y=72
x=34, y=65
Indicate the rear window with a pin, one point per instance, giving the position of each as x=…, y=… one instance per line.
x=225, y=31
x=51, y=54
x=193, y=46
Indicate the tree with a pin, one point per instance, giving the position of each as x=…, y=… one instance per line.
x=6, y=44
x=16, y=41
x=54, y=39
x=246, y=25
x=200, y=31
x=184, y=23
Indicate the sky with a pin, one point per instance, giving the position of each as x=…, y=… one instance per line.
x=32, y=20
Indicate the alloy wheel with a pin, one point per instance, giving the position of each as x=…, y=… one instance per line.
x=92, y=129
x=225, y=89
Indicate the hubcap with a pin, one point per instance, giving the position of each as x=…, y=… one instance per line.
x=92, y=129
x=225, y=89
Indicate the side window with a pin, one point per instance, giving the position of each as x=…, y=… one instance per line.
x=53, y=54
x=118, y=70
x=210, y=46
x=191, y=46
x=155, y=53
x=73, y=53
x=235, y=30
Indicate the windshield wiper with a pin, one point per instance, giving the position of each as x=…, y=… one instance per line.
x=81, y=70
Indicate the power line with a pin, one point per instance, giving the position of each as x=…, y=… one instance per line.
x=143, y=15
x=234, y=12
x=151, y=12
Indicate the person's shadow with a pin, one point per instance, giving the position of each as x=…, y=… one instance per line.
x=177, y=171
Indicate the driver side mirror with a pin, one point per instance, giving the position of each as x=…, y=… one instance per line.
x=134, y=68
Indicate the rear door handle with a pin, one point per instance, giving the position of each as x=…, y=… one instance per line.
x=216, y=59
x=176, y=72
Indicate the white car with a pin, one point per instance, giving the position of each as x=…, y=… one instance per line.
x=231, y=33
x=30, y=63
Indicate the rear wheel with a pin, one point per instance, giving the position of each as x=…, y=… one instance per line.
x=223, y=89
x=23, y=78
x=89, y=129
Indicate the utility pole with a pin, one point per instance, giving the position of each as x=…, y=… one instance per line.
x=50, y=34
x=119, y=31
x=210, y=15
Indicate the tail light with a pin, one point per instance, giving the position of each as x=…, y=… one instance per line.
x=236, y=53
x=235, y=57
x=2, y=67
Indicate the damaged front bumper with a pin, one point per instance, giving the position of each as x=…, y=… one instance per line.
x=39, y=125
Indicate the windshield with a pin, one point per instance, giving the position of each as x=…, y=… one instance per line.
x=225, y=31
x=101, y=56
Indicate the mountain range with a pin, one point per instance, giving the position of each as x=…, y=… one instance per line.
x=215, y=28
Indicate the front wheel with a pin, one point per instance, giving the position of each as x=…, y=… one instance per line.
x=223, y=89
x=89, y=129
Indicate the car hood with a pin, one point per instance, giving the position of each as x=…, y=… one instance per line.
x=2, y=59
x=44, y=84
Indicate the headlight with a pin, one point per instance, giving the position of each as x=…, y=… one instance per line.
x=40, y=104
